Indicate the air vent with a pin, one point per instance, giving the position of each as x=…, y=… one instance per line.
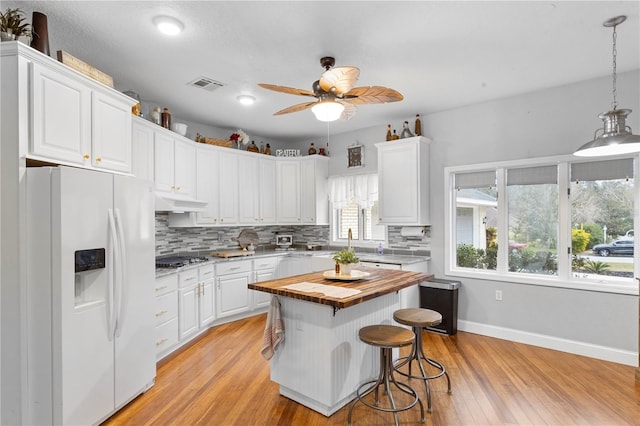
x=206, y=83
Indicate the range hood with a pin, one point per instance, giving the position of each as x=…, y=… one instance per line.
x=166, y=202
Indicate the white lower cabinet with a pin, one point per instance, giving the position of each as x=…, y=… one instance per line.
x=232, y=292
x=196, y=300
x=263, y=270
x=166, y=313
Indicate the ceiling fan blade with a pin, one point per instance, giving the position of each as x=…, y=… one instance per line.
x=339, y=79
x=349, y=110
x=289, y=90
x=296, y=108
x=372, y=95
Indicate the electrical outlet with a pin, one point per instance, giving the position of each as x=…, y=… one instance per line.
x=499, y=295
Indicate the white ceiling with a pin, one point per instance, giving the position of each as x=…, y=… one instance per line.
x=438, y=54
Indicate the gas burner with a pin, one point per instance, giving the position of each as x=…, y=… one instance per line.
x=178, y=261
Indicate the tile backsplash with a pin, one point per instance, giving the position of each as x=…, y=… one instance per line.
x=203, y=239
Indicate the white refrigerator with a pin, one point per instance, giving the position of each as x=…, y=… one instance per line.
x=91, y=268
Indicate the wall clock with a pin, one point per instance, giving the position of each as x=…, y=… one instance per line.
x=355, y=156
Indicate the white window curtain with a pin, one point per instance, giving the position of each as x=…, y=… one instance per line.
x=360, y=189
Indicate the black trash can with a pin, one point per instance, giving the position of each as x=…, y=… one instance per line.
x=441, y=296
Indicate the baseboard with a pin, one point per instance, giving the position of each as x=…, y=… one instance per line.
x=550, y=342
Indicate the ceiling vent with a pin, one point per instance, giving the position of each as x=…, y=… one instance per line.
x=206, y=83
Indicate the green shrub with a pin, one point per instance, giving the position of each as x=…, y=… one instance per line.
x=596, y=234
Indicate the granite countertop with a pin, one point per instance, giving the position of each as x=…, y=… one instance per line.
x=364, y=257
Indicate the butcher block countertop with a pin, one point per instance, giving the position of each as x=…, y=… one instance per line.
x=379, y=283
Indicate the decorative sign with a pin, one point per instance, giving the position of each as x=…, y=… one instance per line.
x=84, y=68
x=355, y=156
x=287, y=153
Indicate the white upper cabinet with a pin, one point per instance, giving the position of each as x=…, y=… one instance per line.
x=207, y=170
x=110, y=133
x=403, y=181
x=288, y=191
x=142, y=148
x=174, y=162
x=248, y=185
x=267, y=188
x=74, y=120
x=61, y=111
x=314, y=203
x=228, y=187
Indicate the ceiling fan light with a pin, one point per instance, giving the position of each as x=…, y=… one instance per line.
x=327, y=110
x=246, y=99
x=168, y=25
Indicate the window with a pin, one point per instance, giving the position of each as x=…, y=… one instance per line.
x=354, y=201
x=553, y=221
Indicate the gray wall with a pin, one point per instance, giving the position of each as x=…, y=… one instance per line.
x=539, y=124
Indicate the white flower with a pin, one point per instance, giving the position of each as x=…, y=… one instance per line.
x=244, y=138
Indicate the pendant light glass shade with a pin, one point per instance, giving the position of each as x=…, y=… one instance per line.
x=327, y=110
x=616, y=137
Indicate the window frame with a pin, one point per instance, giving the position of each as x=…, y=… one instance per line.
x=360, y=242
x=564, y=278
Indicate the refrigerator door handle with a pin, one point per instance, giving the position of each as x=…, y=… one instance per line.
x=113, y=254
x=120, y=296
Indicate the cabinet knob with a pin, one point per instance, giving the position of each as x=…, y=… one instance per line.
x=173, y=187
x=98, y=159
x=222, y=219
x=177, y=188
x=86, y=156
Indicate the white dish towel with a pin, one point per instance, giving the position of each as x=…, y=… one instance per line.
x=273, y=330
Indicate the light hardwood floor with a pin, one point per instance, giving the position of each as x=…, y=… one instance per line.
x=222, y=380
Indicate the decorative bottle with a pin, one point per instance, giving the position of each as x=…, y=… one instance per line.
x=312, y=149
x=394, y=136
x=261, y=147
x=155, y=116
x=267, y=150
x=389, y=137
x=406, y=133
x=166, y=118
x=418, y=126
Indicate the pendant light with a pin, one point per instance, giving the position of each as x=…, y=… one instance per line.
x=616, y=137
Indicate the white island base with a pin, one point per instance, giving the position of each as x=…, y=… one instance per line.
x=322, y=361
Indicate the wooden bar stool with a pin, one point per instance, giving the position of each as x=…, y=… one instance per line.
x=386, y=337
x=418, y=318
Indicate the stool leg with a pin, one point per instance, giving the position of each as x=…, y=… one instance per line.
x=433, y=362
x=374, y=387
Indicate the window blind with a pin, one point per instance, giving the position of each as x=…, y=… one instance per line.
x=485, y=179
x=532, y=175
x=602, y=170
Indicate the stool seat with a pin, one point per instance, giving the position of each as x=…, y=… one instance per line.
x=386, y=336
x=417, y=317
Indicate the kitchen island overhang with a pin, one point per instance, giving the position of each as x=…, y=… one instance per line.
x=322, y=361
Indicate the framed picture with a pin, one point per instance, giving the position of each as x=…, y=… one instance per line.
x=355, y=156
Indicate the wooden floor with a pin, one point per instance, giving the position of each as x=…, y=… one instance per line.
x=223, y=380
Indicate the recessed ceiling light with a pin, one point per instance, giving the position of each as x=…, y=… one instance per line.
x=246, y=99
x=168, y=25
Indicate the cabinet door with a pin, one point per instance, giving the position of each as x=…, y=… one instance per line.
x=188, y=308
x=142, y=150
x=232, y=295
x=184, y=168
x=61, y=114
x=163, y=162
x=288, y=192
x=398, y=184
x=207, y=303
x=110, y=133
x=248, y=185
x=228, y=187
x=307, y=192
x=267, y=191
x=207, y=185
x=261, y=298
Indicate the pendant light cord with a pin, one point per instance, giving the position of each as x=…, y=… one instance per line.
x=615, y=78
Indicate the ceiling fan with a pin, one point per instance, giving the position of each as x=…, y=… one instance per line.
x=334, y=92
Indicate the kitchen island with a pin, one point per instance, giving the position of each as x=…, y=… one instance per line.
x=322, y=361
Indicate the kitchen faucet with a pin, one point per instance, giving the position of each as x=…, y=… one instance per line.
x=349, y=237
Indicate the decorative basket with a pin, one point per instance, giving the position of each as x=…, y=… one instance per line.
x=214, y=141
